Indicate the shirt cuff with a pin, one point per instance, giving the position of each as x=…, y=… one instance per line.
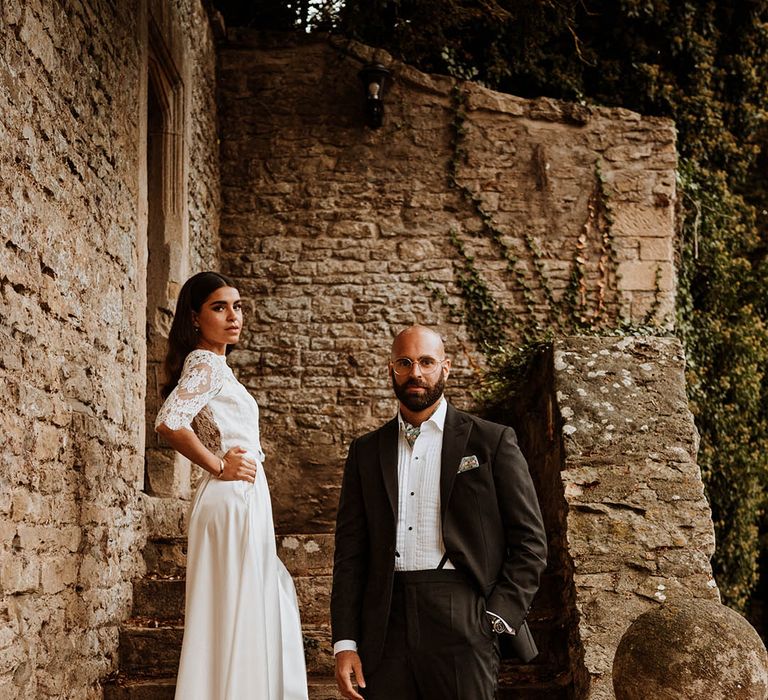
x=344, y=645
x=498, y=617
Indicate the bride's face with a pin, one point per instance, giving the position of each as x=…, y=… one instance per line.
x=220, y=319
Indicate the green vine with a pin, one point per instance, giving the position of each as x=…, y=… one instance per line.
x=491, y=324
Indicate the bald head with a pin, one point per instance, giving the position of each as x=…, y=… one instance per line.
x=419, y=369
x=429, y=342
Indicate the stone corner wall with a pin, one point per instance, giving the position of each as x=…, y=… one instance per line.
x=639, y=527
x=72, y=327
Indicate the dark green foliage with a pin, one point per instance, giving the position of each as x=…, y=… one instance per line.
x=704, y=64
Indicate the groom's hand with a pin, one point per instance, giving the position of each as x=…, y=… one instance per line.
x=348, y=664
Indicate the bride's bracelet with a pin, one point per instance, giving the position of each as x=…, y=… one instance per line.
x=221, y=469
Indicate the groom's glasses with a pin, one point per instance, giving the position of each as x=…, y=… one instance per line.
x=404, y=365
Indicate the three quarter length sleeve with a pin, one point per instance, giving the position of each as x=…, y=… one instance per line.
x=201, y=379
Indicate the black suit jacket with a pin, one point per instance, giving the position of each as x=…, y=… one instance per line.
x=492, y=529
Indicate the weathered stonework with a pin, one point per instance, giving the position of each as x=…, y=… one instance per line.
x=72, y=324
x=334, y=231
x=639, y=528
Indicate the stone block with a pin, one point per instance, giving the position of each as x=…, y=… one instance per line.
x=645, y=276
x=49, y=441
x=19, y=573
x=638, y=221
x=37, y=39
x=28, y=505
x=656, y=249
x=167, y=474
x=58, y=574
x=356, y=230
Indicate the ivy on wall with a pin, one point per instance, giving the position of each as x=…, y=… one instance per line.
x=579, y=308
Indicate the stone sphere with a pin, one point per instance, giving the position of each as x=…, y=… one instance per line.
x=691, y=650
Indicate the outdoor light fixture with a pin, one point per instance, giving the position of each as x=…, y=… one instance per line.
x=374, y=77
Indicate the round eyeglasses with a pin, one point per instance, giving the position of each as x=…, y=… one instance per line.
x=404, y=365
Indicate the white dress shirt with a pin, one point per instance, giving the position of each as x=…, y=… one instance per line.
x=419, y=543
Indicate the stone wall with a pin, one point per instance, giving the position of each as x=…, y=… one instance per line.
x=336, y=233
x=639, y=527
x=183, y=198
x=72, y=323
x=606, y=429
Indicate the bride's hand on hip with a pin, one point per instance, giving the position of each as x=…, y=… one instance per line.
x=238, y=467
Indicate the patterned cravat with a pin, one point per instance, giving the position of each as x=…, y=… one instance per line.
x=411, y=433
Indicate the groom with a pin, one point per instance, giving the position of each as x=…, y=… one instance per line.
x=439, y=544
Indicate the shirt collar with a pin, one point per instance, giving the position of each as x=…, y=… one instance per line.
x=437, y=418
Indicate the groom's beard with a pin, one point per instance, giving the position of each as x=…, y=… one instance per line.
x=418, y=402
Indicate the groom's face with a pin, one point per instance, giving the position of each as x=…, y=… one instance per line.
x=421, y=386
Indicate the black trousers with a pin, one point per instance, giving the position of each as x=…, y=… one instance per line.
x=439, y=643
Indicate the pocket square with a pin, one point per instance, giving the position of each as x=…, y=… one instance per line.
x=467, y=463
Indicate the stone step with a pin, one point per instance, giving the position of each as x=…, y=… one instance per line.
x=154, y=651
x=149, y=651
x=150, y=642
x=303, y=555
x=162, y=599
x=543, y=691
x=158, y=599
x=323, y=689
x=515, y=674
x=164, y=689
x=319, y=689
x=312, y=554
x=141, y=689
x=307, y=555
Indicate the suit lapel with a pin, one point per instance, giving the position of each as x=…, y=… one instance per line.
x=455, y=437
x=388, y=458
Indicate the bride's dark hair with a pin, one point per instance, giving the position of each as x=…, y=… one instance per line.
x=183, y=337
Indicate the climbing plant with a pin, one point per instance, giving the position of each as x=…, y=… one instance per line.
x=543, y=314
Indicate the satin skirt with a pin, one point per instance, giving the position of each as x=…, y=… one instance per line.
x=242, y=633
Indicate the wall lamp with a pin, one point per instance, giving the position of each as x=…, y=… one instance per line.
x=374, y=77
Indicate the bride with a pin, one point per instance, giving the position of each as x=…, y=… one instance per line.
x=242, y=634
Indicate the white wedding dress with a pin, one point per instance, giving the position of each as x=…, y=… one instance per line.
x=242, y=634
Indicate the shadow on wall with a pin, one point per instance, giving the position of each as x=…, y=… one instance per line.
x=531, y=409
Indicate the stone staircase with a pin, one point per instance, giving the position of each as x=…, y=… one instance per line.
x=150, y=641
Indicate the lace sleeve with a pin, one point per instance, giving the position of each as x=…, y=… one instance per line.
x=201, y=379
